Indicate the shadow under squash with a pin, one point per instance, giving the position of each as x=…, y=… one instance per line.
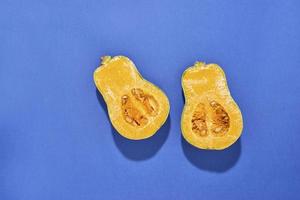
x=138, y=150
x=212, y=160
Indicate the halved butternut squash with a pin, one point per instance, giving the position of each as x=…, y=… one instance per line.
x=211, y=119
x=136, y=107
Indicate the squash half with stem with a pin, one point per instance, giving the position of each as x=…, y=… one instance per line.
x=136, y=107
x=210, y=119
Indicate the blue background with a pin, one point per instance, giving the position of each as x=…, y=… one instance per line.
x=56, y=141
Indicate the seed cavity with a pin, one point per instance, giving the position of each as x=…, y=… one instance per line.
x=138, y=107
x=131, y=114
x=199, y=125
x=148, y=101
x=220, y=119
x=216, y=124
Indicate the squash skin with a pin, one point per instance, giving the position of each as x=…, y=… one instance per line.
x=117, y=79
x=204, y=84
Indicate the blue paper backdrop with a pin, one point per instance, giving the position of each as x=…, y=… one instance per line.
x=56, y=141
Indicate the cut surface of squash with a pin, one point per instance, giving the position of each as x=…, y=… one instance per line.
x=136, y=107
x=210, y=119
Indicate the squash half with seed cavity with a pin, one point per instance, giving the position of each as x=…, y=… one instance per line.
x=211, y=119
x=136, y=107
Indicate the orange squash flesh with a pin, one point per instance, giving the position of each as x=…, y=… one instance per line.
x=210, y=119
x=136, y=107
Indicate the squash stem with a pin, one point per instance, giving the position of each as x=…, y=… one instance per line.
x=105, y=59
x=199, y=64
